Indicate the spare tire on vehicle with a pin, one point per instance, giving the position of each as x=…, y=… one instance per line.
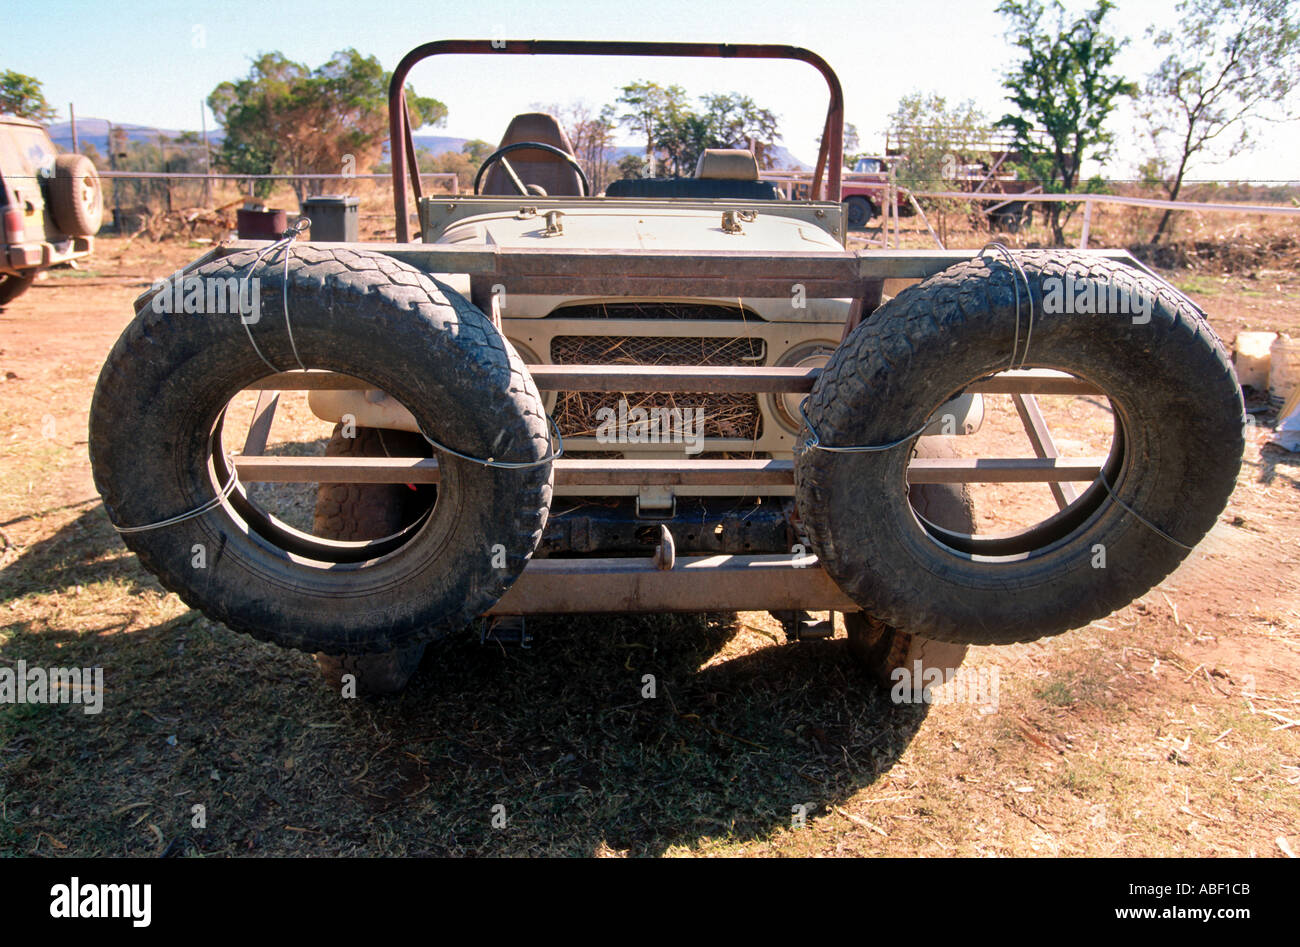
x=157, y=414
x=1173, y=463
x=76, y=196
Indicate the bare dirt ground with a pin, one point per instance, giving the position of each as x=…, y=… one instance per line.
x=1169, y=728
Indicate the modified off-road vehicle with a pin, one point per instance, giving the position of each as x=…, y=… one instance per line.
x=51, y=205
x=680, y=395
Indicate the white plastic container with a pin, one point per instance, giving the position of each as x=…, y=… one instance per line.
x=1284, y=367
x=1252, y=358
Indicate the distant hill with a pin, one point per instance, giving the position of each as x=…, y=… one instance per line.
x=437, y=144
x=95, y=131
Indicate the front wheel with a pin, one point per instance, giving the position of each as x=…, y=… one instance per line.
x=888, y=654
x=371, y=511
x=859, y=211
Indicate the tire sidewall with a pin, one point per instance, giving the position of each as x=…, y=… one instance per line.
x=150, y=425
x=1171, y=393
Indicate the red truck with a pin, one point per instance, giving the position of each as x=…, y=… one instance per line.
x=865, y=190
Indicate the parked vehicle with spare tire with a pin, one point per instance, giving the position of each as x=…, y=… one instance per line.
x=51, y=205
x=683, y=395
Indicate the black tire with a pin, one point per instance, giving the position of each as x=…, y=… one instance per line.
x=1174, y=460
x=356, y=512
x=361, y=511
x=858, y=213
x=76, y=197
x=11, y=287
x=1010, y=218
x=880, y=649
x=166, y=382
x=373, y=675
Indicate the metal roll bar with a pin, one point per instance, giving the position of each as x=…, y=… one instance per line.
x=830, y=156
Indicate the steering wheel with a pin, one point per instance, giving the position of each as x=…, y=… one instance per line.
x=500, y=155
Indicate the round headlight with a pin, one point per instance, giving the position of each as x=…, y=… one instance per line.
x=808, y=355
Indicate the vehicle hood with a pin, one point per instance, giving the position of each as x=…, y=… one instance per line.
x=666, y=228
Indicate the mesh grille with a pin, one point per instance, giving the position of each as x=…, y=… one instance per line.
x=651, y=350
x=732, y=414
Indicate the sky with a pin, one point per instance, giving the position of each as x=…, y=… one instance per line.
x=149, y=62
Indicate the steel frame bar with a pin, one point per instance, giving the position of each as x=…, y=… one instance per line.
x=669, y=473
x=259, y=428
x=709, y=379
x=1040, y=437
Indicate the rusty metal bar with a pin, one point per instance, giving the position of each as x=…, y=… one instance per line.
x=259, y=428
x=833, y=267
x=1040, y=436
x=1004, y=469
x=709, y=379
x=399, y=128
x=410, y=156
x=677, y=473
x=694, y=584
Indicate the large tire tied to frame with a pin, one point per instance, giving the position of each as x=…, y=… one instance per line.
x=155, y=429
x=1173, y=464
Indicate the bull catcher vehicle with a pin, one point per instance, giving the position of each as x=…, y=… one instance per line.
x=680, y=395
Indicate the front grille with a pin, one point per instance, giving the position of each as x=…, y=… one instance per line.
x=653, y=350
x=731, y=414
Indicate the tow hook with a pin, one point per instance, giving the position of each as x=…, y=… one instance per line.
x=506, y=630
x=801, y=626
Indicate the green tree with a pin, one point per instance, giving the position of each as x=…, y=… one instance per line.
x=286, y=118
x=1064, y=90
x=651, y=111
x=464, y=163
x=681, y=134
x=736, y=121
x=935, y=143
x=632, y=167
x=935, y=140
x=476, y=149
x=22, y=96
x=1228, y=60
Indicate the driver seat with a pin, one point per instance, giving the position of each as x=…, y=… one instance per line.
x=535, y=167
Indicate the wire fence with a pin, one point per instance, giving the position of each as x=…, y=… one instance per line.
x=188, y=201
x=198, y=204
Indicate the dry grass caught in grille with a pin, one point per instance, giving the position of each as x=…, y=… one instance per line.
x=726, y=415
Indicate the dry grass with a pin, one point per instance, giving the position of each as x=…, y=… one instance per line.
x=1141, y=735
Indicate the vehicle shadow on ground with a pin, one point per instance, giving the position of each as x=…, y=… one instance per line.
x=84, y=551
x=560, y=745
x=1274, y=460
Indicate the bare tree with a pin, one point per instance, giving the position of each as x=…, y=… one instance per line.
x=1228, y=61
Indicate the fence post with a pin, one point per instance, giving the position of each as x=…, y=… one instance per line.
x=1087, y=224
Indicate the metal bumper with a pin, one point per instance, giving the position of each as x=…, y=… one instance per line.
x=24, y=256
